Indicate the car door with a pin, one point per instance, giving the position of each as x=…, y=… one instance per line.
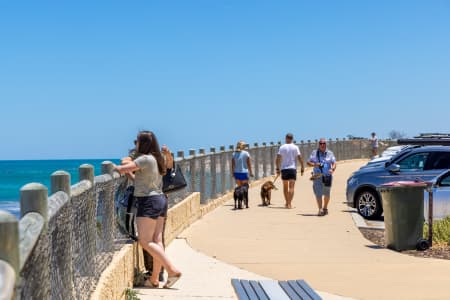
x=441, y=198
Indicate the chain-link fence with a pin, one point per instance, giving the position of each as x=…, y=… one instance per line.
x=68, y=239
x=210, y=173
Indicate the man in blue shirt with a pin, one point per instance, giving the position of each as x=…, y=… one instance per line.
x=324, y=164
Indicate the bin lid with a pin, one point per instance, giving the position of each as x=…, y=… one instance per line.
x=405, y=183
x=402, y=184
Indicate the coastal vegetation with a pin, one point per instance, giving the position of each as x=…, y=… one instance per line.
x=131, y=294
x=441, y=232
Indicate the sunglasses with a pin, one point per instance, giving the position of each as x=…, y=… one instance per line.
x=322, y=143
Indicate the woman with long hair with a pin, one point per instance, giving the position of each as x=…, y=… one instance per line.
x=148, y=168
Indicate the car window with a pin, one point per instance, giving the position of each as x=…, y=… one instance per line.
x=440, y=160
x=399, y=155
x=414, y=162
x=445, y=181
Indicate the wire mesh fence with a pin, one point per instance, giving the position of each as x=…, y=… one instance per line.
x=76, y=241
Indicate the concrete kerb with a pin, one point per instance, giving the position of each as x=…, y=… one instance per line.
x=360, y=222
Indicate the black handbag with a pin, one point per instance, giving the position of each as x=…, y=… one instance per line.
x=327, y=179
x=173, y=180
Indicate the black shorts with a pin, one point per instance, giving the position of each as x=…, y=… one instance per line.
x=289, y=174
x=152, y=206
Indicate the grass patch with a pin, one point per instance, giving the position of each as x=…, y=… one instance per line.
x=131, y=294
x=139, y=278
x=441, y=231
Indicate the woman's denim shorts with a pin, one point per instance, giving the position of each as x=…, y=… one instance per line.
x=154, y=206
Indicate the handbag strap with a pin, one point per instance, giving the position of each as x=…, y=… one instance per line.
x=318, y=159
x=172, y=170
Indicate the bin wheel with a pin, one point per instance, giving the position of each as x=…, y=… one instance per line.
x=423, y=245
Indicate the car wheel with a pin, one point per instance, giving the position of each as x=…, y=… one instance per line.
x=368, y=204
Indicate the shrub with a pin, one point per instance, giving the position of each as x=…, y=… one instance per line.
x=441, y=231
x=131, y=294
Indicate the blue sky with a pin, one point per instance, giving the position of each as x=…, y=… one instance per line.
x=78, y=79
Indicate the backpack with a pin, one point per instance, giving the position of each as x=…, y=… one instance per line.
x=126, y=212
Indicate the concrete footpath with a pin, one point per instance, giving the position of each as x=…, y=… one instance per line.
x=203, y=277
x=328, y=252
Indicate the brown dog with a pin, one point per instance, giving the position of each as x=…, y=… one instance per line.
x=266, y=191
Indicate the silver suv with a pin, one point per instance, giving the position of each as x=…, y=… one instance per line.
x=422, y=163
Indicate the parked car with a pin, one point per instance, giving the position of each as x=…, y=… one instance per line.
x=441, y=197
x=391, y=151
x=421, y=163
x=391, y=156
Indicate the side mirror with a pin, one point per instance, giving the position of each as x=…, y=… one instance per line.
x=394, y=168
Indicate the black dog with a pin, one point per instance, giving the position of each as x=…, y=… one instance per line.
x=241, y=196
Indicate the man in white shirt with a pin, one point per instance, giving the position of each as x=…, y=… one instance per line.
x=286, y=163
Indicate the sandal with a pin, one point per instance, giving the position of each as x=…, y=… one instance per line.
x=321, y=213
x=171, y=280
x=148, y=283
x=325, y=211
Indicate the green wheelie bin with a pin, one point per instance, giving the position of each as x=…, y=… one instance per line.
x=403, y=214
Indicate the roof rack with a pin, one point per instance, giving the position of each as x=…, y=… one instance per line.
x=433, y=135
x=444, y=141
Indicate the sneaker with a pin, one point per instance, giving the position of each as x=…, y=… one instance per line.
x=171, y=281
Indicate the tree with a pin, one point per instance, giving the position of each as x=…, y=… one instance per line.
x=352, y=137
x=396, y=134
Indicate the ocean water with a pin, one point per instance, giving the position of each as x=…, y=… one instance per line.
x=14, y=174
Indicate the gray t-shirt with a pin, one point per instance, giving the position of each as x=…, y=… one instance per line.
x=147, y=180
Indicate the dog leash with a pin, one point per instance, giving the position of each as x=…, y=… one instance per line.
x=276, y=177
